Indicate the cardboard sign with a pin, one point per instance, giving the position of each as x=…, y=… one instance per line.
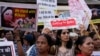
x=61, y=23
x=7, y=49
x=23, y=16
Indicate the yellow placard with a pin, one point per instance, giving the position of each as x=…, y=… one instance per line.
x=1, y=28
x=96, y=21
x=40, y=23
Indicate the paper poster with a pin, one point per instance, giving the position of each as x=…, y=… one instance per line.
x=80, y=10
x=23, y=16
x=61, y=23
x=7, y=49
x=47, y=4
x=46, y=10
x=45, y=14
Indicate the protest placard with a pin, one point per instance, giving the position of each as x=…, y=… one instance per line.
x=7, y=49
x=23, y=16
x=80, y=10
x=47, y=4
x=46, y=10
x=55, y=24
x=45, y=14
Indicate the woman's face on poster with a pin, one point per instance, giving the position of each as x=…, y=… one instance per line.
x=8, y=15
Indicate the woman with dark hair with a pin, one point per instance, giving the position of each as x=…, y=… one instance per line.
x=96, y=41
x=28, y=41
x=84, y=46
x=42, y=46
x=7, y=17
x=63, y=43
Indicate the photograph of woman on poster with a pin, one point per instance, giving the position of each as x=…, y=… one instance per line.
x=18, y=17
x=7, y=17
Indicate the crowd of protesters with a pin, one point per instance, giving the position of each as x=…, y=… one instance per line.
x=63, y=42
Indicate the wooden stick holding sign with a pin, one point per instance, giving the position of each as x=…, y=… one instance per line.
x=94, y=28
x=92, y=25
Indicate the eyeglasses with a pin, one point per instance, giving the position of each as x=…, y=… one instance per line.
x=65, y=32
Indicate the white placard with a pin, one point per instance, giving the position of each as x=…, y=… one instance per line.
x=51, y=4
x=7, y=49
x=55, y=24
x=79, y=8
x=44, y=14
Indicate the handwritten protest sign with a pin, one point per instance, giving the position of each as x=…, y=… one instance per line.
x=7, y=49
x=47, y=4
x=61, y=23
x=45, y=14
x=80, y=10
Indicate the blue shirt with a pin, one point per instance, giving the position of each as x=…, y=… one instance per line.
x=33, y=51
